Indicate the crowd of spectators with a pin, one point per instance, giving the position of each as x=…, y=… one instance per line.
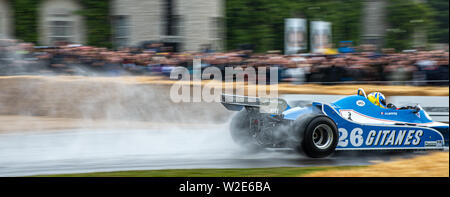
x=364, y=65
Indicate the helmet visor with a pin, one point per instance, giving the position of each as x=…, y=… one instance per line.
x=383, y=101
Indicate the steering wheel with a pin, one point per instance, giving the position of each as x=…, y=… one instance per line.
x=361, y=93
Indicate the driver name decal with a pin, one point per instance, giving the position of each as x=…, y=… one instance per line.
x=389, y=113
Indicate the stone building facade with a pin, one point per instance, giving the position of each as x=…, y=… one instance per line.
x=5, y=19
x=58, y=21
x=374, y=22
x=186, y=24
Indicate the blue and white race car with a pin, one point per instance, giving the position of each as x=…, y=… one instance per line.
x=351, y=123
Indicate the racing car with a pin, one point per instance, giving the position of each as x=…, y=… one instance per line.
x=320, y=129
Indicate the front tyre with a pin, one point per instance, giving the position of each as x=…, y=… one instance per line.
x=319, y=136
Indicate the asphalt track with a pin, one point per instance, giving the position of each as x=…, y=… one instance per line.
x=81, y=149
x=76, y=151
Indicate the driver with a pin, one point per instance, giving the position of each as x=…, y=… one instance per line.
x=378, y=99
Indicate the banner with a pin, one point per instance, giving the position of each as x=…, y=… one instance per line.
x=320, y=36
x=295, y=39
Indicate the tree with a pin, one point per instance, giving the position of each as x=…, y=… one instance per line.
x=96, y=14
x=439, y=34
x=25, y=19
x=261, y=22
x=404, y=17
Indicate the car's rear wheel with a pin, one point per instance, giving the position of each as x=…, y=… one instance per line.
x=319, y=136
x=241, y=133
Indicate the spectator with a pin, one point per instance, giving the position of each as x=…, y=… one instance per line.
x=150, y=59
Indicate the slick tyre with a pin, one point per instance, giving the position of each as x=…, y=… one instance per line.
x=240, y=131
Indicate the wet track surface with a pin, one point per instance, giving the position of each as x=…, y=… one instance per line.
x=81, y=150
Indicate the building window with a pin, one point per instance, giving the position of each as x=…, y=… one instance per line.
x=217, y=33
x=176, y=25
x=1, y=28
x=61, y=31
x=121, y=28
x=169, y=19
x=216, y=27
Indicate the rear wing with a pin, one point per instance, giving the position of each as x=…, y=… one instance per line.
x=264, y=105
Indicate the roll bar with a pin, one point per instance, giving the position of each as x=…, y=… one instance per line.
x=360, y=90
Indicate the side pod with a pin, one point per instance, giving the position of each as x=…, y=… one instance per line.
x=358, y=136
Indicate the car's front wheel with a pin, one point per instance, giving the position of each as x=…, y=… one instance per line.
x=319, y=136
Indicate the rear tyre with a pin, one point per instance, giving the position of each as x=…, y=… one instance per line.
x=240, y=131
x=319, y=136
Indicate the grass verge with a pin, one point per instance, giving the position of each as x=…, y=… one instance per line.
x=251, y=172
x=430, y=165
